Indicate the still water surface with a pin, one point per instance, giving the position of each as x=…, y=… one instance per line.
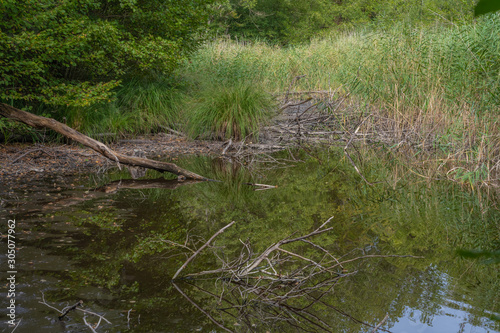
x=113, y=249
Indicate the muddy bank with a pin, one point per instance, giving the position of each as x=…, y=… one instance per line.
x=44, y=159
x=40, y=160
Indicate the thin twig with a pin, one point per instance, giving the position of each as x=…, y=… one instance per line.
x=201, y=249
x=199, y=308
x=94, y=314
x=349, y=156
x=287, y=105
x=68, y=309
x=50, y=306
x=168, y=129
x=227, y=147
x=88, y=324
x=18, y=322
x=128, y=318
x=274, y=247
x=176, y=244
x=29, y=152
x=381, y=323
x=262, y=185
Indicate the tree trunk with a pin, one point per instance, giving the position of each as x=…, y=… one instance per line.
x=42, y=122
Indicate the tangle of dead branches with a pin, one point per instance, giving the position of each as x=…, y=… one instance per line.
x=279, y=286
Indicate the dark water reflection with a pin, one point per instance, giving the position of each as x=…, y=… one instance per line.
x=108, y=249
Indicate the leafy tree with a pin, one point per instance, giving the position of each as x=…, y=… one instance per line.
x=283, y=20
x=295, y=21
x=73, y=52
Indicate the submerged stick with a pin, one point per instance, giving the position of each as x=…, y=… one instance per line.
x=70, y=308
x=199, y=308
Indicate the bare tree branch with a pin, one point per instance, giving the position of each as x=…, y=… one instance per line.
x=199, y=308
x=201, y=249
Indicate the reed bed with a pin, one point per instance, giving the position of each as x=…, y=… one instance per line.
x=436, y=90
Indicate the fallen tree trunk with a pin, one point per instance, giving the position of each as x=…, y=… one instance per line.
x=42, y=122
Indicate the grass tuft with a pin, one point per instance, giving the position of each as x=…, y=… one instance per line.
x=226, y=111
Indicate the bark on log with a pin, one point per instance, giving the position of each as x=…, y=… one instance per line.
x=42, y=122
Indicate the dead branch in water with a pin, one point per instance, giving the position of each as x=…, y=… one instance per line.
x=201, y=249
x=64, y=312
x=68, y=309
x=201, y=309
x=263, y=289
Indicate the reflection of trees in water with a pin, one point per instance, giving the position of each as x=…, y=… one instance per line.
x=124, y=232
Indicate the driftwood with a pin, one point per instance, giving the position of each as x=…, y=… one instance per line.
x=42, y=122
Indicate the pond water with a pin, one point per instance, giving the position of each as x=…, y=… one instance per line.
x=118, y=247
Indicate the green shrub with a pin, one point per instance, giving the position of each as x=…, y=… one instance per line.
x=139, y=107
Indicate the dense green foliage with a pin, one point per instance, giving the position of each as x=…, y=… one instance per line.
x=285, y=21
x=486, y=6
x=73, y=52
x=139, y=106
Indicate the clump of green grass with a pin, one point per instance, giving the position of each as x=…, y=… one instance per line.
x=11, y=130
x=150, y=104
x=229, y=111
